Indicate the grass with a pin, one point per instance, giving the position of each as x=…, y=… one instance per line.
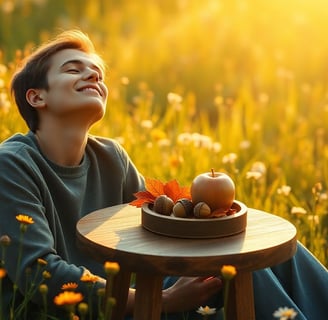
x=239, y=86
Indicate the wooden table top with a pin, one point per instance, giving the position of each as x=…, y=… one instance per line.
x=115, y=234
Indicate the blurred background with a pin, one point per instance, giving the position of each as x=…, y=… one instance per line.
x=238, y=85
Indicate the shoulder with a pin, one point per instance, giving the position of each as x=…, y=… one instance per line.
x=18, y=145
x=102, y=145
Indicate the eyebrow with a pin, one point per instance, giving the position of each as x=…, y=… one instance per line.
x=80, y=62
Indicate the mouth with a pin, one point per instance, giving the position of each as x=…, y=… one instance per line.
x=91, y=89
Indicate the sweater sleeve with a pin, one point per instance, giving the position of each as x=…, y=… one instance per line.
x=24, y=191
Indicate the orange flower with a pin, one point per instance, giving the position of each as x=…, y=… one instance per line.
x=69, y=286
x=111, y=267
x=68, y=298
x=24, y=219
x=228, y=272
x=2, y=273
x=42, y=262
x=88, y=277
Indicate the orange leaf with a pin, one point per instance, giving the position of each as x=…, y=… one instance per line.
x=155, y=187
x=142, y=197
x=173, y=190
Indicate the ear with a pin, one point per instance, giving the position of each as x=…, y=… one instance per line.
x=35, y=97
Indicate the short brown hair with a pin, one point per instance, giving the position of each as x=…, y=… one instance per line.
x=34, y=69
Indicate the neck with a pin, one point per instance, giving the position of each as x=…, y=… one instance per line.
x=64, y=147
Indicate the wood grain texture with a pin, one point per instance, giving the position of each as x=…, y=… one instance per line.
x=116, y=234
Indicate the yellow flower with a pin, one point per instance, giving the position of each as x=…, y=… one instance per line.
x=204, y=311
x=83, y=308
x=111, y=267
x=42, y=262
x=2, y=273
x=69, y=286
x=68, y=298
x=111, y=301
x=88, y=277
x=46, y=274
x=228, y=272
x=101, y=292
x=24, y=219
x=43, y=288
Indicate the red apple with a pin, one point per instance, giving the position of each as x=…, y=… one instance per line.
x=215, y=189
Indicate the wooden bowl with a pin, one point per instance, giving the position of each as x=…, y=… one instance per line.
x=193, y=227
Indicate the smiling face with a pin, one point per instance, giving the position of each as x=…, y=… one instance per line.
x=76, y=86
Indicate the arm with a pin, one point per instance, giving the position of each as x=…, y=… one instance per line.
x=186, y=294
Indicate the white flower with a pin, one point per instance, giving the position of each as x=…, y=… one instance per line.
x=253, y=175
x=284, y=190
x=204, y=311
x=298, y=210
x=147, y=124
x=174, y=98
x=230, y=158
x=285, y=313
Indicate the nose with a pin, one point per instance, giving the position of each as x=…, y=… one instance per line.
x=92, y=74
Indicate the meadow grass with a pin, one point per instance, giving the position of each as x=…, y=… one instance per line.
x=238, y=86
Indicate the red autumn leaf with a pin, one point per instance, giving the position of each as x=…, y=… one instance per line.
x=141, y=198
x=173, y=190
x=155, y=187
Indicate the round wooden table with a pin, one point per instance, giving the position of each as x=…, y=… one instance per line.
x=116, y=234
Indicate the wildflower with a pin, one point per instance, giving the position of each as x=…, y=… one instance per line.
x=228, y=272
x=147, y=124
x=46, y=274
x=43, y=288
x=174, y=98
x=111, y=301
x=285, y=313
x=218, y=100
x=253, y=175
x=83, y=308
x=24, y=219
x=205, y=311
x=298, y=211
x=68, y=298
x=216, y=147
x=245, y=144
x=42, y=262
x=90, y=278
x=314, y=219
x=184, y=138
x=101, y=292
x=230, y=158
x=5, y=241
x=284, y=190
x=3, y=273
x=125, y=81
x=69, y=286
x=111, y=267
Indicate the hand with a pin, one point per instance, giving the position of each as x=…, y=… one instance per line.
x=189, y=293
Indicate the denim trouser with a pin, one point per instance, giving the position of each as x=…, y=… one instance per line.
x=300, y=283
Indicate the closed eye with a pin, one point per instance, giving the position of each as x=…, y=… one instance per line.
x=71, y=70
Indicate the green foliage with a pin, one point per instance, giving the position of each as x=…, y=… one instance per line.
x=250, y=95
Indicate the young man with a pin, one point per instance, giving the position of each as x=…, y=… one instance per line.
x=57, y=173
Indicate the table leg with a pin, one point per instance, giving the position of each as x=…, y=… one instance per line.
x=148, y=299
x=241, y=298
x=120, y=290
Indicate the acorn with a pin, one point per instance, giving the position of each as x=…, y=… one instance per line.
x=183, y=208
x=202, y=210
x=163, y=205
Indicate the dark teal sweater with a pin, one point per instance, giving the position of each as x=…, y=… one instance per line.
x=56, y=198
